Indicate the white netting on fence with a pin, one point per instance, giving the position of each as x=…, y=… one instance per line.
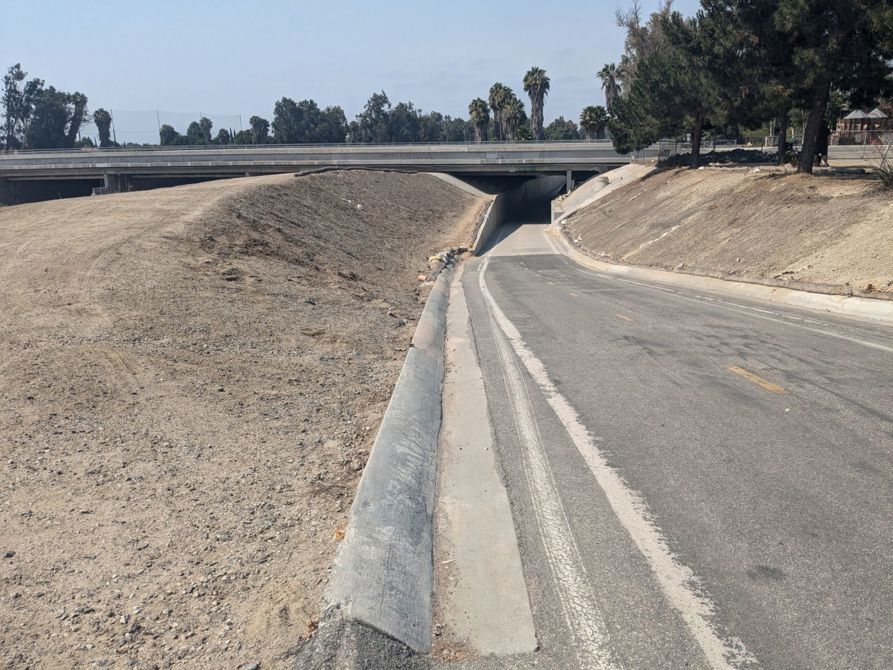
x=142, y=126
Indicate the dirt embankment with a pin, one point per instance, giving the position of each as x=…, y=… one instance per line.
x=190, y=382
x=833, y=232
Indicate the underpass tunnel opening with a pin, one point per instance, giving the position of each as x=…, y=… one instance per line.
x=529, y=202
x=495, y=184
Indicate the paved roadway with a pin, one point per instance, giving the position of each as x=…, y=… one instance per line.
x=693, y=483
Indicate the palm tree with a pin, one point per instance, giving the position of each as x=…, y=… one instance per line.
x=512, y=117
x=479, y=115
x=611, y=77
x=102, y=119
x=593, y=120
x=536, y=85
x=499, y=95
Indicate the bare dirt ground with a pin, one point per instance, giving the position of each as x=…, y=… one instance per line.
x=190, y=381
x=828, y=230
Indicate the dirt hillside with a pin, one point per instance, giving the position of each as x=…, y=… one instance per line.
x=190, y=382
x=829, y=230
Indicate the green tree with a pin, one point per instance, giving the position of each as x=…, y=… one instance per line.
x=610, y=76
x=500, y=94
x=513, y=118
x=18, y=104
x=12, y=105
x=205, y=125
x=55, y=118
x=751, y=62
x=373, y=123
x=223, y=137
x=244, y=137
x=643, y=38
x=403, y=123
x=836, y=44
x=195, y=136
x=288, y=122
x=102, y=119
x=536, y=85
x=78, y=105
x=671, y=89
x=652, y=106
x=562, y=129
x=432, y=127
x=168, y=136
x=457, y=130
x=260, y=130
x=331, y=127
x=690, y=47
x=593, y=121
x=479, y=115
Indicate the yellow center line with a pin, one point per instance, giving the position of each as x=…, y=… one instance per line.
x=625, y=318
x=756, y=379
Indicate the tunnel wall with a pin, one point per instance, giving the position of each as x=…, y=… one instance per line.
x=529, y=202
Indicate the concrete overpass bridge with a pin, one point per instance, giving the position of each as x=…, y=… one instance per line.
x=124, y=168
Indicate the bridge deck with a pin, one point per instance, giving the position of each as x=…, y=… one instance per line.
x=238, y=160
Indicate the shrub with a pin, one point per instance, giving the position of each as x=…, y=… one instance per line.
x=884, y=174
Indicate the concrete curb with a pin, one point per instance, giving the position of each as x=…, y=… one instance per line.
x=383, y=574
x=880, y=311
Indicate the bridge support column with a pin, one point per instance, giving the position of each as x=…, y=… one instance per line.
x=116, y=183
x=570, y=181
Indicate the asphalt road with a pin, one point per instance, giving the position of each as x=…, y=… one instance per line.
x=694, y=483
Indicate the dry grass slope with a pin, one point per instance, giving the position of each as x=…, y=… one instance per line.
x=190, y=381
x=826, y=230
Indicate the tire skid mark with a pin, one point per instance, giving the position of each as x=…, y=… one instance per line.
x=682, y=589
x=592, y=645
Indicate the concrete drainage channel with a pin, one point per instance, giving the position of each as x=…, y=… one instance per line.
x=378, y=607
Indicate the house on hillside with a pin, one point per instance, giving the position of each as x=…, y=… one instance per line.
x=860, y=127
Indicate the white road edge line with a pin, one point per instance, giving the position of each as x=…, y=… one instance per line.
x=681, y=587
x=577, y=598
x=749, y=310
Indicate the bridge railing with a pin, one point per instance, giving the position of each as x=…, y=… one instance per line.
x=309, y=145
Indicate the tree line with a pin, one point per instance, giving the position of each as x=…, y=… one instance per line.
x=502, y=116
x=743, y=63
x=37, y=116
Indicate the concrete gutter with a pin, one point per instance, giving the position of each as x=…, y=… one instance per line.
x=383, y=574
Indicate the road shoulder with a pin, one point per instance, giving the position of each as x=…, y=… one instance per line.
x=481, y=600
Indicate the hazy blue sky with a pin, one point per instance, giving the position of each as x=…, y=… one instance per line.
x=238, y=58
